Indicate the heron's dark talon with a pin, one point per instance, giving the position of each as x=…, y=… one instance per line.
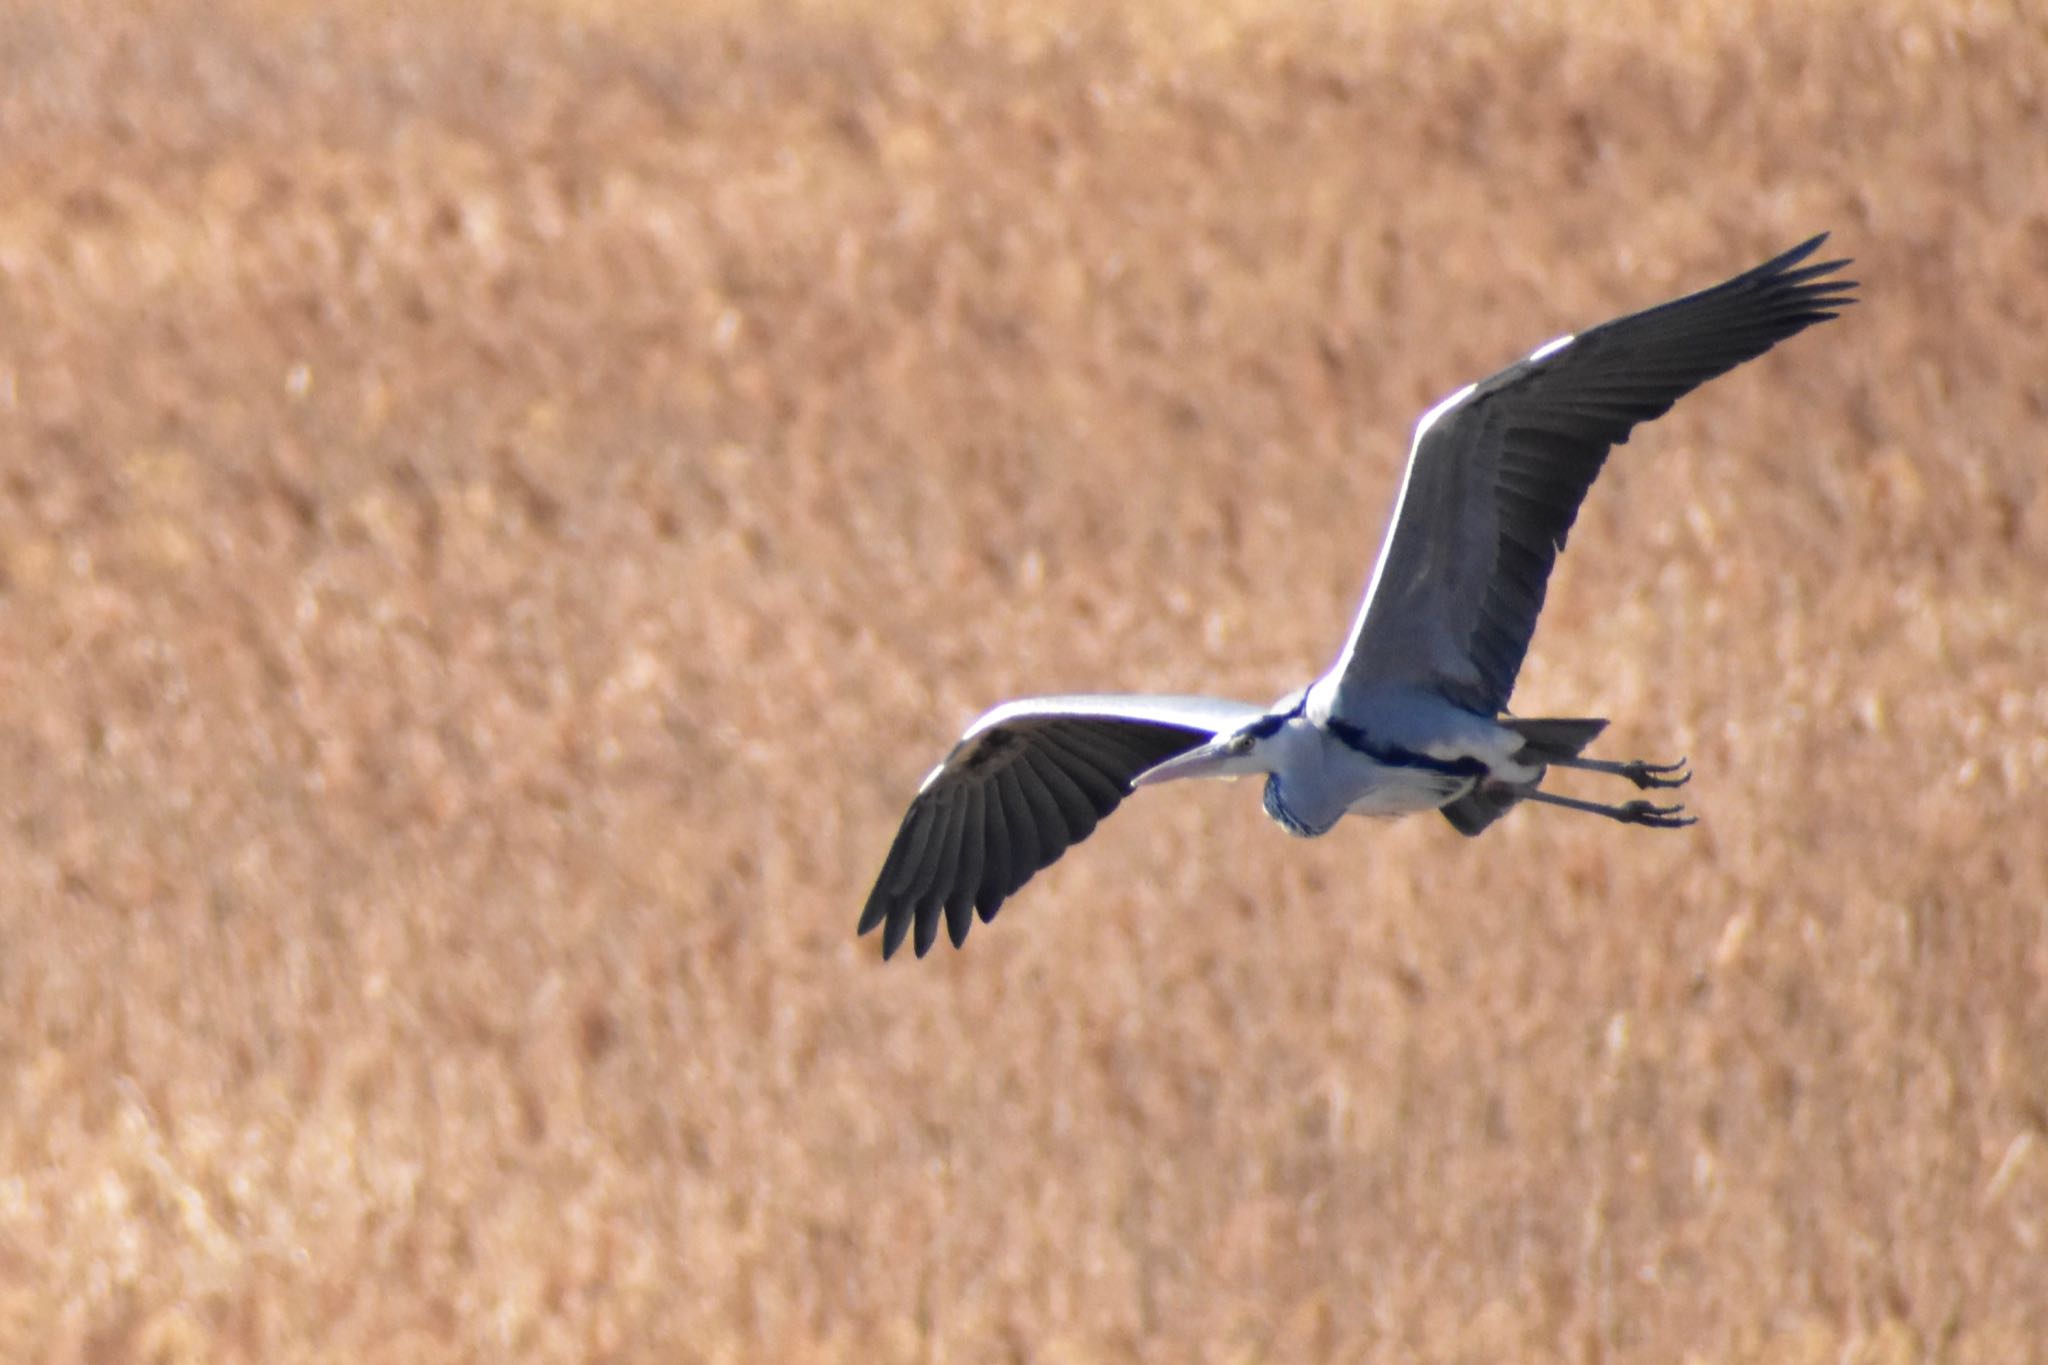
x=1655, y=816
x=1648, y=775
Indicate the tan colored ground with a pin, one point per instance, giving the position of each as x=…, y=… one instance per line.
x=497, y=513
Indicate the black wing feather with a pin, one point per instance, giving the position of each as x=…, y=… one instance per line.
x=1025, y=855
x=996, y=868
x=967, y=878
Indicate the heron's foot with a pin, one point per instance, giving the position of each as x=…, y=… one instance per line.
x=1629, y=813
x=1655, y=817
x=1647, y=775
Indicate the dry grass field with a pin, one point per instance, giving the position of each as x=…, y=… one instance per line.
x=500, y=505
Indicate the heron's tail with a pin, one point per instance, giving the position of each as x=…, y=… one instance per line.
x=1550, y=739
x=1543, y=741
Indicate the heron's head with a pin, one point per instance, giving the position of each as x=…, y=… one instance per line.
x=1247, y=750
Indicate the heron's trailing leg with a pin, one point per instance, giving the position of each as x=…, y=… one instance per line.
x=1644, y=774
x=1632, y=813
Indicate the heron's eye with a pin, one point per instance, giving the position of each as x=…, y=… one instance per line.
x=1239, y=744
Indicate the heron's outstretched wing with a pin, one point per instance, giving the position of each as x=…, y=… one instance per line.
x=1497, y=472
x=1028, y=781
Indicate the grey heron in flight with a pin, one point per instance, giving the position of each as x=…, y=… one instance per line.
x=1412, y=715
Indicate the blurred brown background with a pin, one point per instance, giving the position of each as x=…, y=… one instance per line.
x=498, y=511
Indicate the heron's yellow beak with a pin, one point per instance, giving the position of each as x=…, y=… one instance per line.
x=1210, y=760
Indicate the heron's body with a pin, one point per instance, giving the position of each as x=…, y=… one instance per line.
x=1412, y=715
x=1420, y=754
